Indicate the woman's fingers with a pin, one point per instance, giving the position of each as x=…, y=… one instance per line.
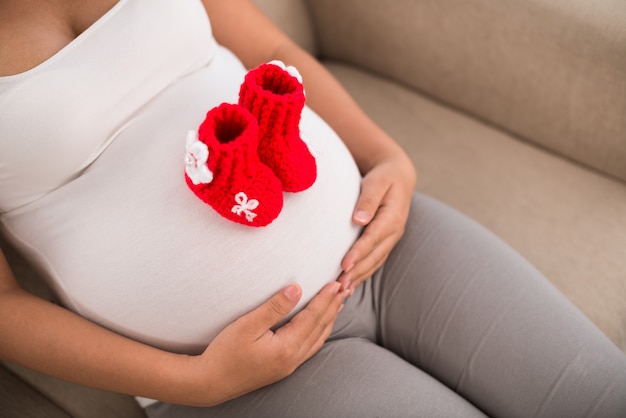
x=316, y=318
x=375, y=244
x=317, y=343
x=258, y=321
x=307, y=331
x=382, y=208
x=373, y=190
x=369, y=263
x=247, y=355
x=316, y=339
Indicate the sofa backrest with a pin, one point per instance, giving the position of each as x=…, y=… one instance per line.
x=293, y=17
x=549, y=71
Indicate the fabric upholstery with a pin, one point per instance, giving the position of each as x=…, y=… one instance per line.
x=18, y=396
x=79, y=401
x=568, y=220
x=552, y=72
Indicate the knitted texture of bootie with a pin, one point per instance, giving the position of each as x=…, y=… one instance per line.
x=275, y=96
x=222, y=168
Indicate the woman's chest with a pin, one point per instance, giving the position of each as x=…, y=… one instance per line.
x=31, y=31
x=57, y=117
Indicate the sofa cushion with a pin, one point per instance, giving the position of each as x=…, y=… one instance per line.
x=80, y=401
x=19, y=399
x=552, y=72
x=569, y=221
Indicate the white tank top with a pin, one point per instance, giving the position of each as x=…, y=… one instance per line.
x=92, y=146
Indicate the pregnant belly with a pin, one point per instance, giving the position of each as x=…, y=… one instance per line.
x=128, y=246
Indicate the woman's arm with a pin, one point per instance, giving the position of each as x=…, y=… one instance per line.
x=389, y=176
x=245, y=356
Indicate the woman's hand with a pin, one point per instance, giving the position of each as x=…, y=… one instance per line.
x=383, y=208
x=248, y=355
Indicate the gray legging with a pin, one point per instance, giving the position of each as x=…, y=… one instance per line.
x=455, y=324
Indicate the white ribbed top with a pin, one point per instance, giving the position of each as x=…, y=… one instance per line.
x=92, y=146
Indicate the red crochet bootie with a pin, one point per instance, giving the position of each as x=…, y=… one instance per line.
x=274, y=94
x=223, y=169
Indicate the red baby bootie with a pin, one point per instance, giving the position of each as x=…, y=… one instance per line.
x=223, y=169
x=274, y=94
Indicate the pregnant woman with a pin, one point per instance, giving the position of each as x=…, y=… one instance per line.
x=221, y=251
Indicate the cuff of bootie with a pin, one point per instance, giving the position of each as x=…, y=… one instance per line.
x=229, y=125
x=270, y=87
x=228, y=132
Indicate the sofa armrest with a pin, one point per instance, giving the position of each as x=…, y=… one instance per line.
x=549, y=71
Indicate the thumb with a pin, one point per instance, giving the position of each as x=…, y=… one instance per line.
x=373, y=190
x=275, y=308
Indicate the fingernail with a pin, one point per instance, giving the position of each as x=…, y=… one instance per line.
x=340, y=308
x=361, y=216
x=335, y=286
x=345, y=289
x=293, y=292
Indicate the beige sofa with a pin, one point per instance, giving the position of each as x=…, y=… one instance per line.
x=514, y=113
